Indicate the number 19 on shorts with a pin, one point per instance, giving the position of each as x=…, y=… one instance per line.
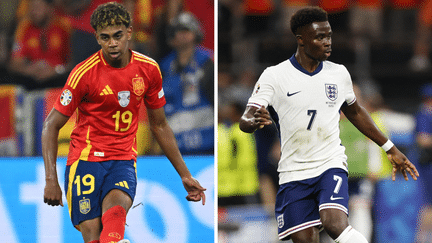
x=84, y=185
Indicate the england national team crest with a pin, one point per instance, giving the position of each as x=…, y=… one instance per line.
x=84, y=205
x=280, y=221
x=138, y=86
x=124, y=98
x=331, y=91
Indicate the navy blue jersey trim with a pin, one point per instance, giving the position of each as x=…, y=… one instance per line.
x=297, y=65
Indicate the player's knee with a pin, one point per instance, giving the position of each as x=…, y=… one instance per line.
x=309, y=235
x=334, y=227
x=91, y=229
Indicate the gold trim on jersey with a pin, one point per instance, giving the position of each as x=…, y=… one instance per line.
x=76, y=76
x=106, y=91
x=103, y=58
x=86, y=151
x=145, y=59
x=69, y=193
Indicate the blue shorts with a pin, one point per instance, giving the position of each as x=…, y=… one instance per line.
x=87, y=184
x=298, y=202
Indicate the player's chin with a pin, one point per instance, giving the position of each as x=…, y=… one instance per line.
x=325, y=56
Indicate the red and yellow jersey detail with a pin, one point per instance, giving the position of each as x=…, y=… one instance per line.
x=107, y=101
x=77, y=74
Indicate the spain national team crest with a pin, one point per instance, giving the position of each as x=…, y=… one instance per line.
x=84, y=205
x=124, y=98
x=280, y=221
x=138, y=85
x=331, y=91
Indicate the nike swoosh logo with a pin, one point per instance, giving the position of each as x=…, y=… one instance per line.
x=335, y=198
x=293, y=93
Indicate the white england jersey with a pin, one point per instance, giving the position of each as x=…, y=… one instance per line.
x=307, y=112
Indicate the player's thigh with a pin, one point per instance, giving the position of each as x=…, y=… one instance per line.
x=83, y=185
x=116, y=197
x=296, y=208
x=119, y=186
x=333, y=201
x=332, y=190
x=334, y=221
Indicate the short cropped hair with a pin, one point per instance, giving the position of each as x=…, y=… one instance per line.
x=307, y=16
x=110, y=14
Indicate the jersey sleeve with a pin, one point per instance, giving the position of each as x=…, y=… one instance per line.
x=72, y=93
x=155, y=97
x=263, y=91
x=350, y=97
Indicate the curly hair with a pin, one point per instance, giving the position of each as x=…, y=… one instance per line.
x=110, y=14
x=307, y=16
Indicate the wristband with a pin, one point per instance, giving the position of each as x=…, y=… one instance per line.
x=387, y=146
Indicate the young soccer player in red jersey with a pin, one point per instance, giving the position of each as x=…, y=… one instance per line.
x=106, y=90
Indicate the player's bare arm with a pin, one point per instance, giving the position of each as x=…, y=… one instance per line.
x=254, y=118
x=361, y=119
x=50, y=131
x=165, y=138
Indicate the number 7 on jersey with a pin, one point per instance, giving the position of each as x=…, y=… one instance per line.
x=311, y=113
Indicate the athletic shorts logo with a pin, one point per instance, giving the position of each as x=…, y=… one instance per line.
x=66, y=97
x=124, y=98
x=84, y=205
x=335, y=198
x=280, y=221
x=331, y=91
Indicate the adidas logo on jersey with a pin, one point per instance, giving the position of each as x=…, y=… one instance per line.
x=123, y=184
x=106, y=91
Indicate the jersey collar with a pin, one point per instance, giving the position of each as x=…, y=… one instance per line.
x=297, y=65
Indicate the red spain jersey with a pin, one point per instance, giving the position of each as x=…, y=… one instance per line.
x=107, y=101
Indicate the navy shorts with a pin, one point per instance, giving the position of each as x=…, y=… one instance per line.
x=298, y=202
x=87, y=184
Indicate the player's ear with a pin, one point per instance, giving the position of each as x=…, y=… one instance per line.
x=97, y=37
x=129, y=33
x=299, y=39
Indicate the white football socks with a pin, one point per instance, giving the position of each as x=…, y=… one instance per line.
x=350, y=235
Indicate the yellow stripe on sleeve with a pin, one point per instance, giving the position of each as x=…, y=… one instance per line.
x=82, y=73
x=74, y=76
x=148, y=61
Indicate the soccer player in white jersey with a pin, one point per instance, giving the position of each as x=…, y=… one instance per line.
x=304, y=95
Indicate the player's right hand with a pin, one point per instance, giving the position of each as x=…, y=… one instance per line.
x=53, y=194
x=262, y=117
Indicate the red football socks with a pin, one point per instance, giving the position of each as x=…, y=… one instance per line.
x=113, y=223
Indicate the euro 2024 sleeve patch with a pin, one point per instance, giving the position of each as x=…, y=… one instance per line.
x=66, y=97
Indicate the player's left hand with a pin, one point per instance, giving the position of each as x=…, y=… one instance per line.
x=194, y=189
x=401, y=163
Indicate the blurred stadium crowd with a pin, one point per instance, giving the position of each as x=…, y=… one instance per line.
x=385, y=44
x=42, y=40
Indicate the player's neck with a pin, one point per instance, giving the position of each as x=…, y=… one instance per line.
x=306, y=62
x=120, y=63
